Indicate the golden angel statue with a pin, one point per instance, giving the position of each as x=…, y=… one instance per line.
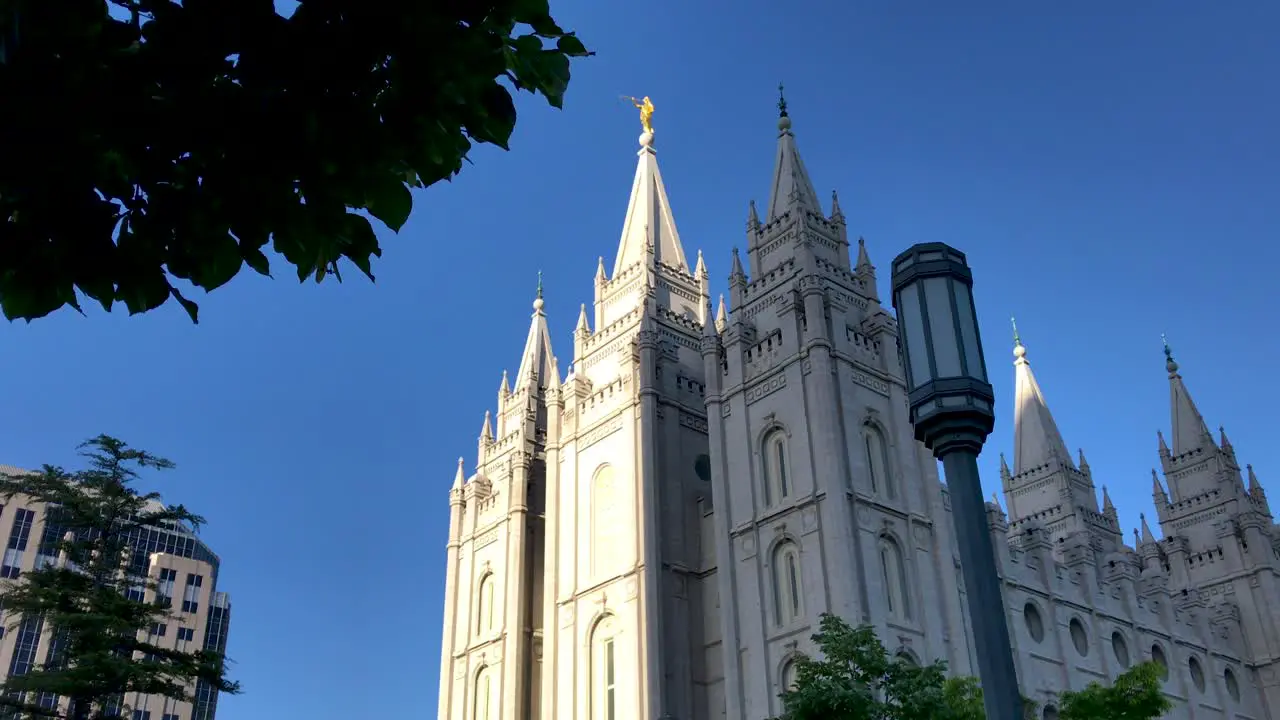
x=646, y=112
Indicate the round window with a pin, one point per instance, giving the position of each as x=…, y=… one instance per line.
x=1233, y=687
x=1157, y=657
x=1079, y=636
x=1035, y=625
x=1120, y=648
x=1197, y=673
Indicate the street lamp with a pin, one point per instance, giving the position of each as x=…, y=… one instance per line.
x=952, y=412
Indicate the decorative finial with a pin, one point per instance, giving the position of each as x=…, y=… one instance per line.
x=784, y=120
x=1018, y=350
x=537, y=301
x=1169, y=363
x=539, y=283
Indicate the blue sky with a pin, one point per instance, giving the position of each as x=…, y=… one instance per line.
x=1110, y=168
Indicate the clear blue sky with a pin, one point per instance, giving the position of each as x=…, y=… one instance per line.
x=1112, y=170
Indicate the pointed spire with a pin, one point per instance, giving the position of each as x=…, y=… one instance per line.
x=1107, y=505
x=537, y=362
x=583, y=327
x=1083, y=464
x=836, y=213
x=791, y=188
x=722, y=315
x=995, y=499
x=1147, y=536
x=701, y=269
x=1255, y=487
x=709, y=325
x=1223, y=441
x=460, y=477
x=504, y=389
x=486, y=430
x=736, y=269
x=1189, y=429
x=601, y=277
x=649, y=220
x=1036, y=437
x=1164, y=447
x=753, y=220
x=1157, y=488
x=864, y=260
x=1004, y=467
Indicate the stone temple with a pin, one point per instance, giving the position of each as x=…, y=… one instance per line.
x=653, y=533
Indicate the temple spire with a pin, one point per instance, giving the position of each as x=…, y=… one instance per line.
x=1147, y=536
x=459, y=477
x=1189, y=429
x=537, y=362
x=1037, y=440
x=649, y=219
x=791, y=187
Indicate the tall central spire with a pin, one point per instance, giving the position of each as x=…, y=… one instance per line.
x=649, y=220
x=791, y=187
x=1036, y=437
x=537, y=362
x=1189, y=429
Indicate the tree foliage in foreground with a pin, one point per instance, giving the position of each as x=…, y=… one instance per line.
x=144, y=141
x=856, y=679
x=90, y=601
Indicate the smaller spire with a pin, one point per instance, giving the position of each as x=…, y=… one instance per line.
x=1164, y=447
x=864, y=260
x=601, y=277
x=1084, y=464
x=1107, y=505
x=486, y=431
x=709, y=325
x=1004, y=468
x=1223, y=441
x=505, y=389
x=753, y=218
x=836, y=213
x=583, y=327
x=701, y=269
x=722, y=315
x=1255, y=487
x=736, y=269
x=460, y=477
x=1147, y=536
x=1157, y=489
x=995, y=499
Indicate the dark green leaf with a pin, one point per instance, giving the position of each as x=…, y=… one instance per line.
x=390, y=201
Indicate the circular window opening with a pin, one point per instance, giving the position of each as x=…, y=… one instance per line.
x=1050, y=712
x=1035, y=625
x=1157, y=657
x=1197, y=673
x=1120, y=648
x=1079, y=636
x=1233, y=687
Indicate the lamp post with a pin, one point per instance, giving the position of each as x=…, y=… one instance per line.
x=952, y=412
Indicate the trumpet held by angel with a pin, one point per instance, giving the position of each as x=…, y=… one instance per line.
x=645, y=105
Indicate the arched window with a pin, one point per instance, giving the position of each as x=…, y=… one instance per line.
x=777, y=478
x=787, y=584
x=606, y=521
x=604, y=670
x=483, y=695
x=894, y=572
x=787, y=679
x=878, y=462
x=484, y=609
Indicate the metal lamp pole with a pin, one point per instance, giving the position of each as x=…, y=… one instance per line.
x=952, y=412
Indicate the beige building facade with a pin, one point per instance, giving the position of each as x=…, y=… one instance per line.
x=654, y=533
x=182, y=568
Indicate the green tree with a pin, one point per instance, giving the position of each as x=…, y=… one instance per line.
x=91, y=600
x=856, y=679
x=145, y=141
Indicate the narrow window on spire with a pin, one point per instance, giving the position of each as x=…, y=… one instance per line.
x=893, y=571
x=878, y=462
x=787, y=583
x=603, y=691
x=484, y=613
x=777, y=479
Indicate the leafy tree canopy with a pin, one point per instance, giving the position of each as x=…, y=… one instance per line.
x=145, y=141
x=96, y=601
x=856, y=679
